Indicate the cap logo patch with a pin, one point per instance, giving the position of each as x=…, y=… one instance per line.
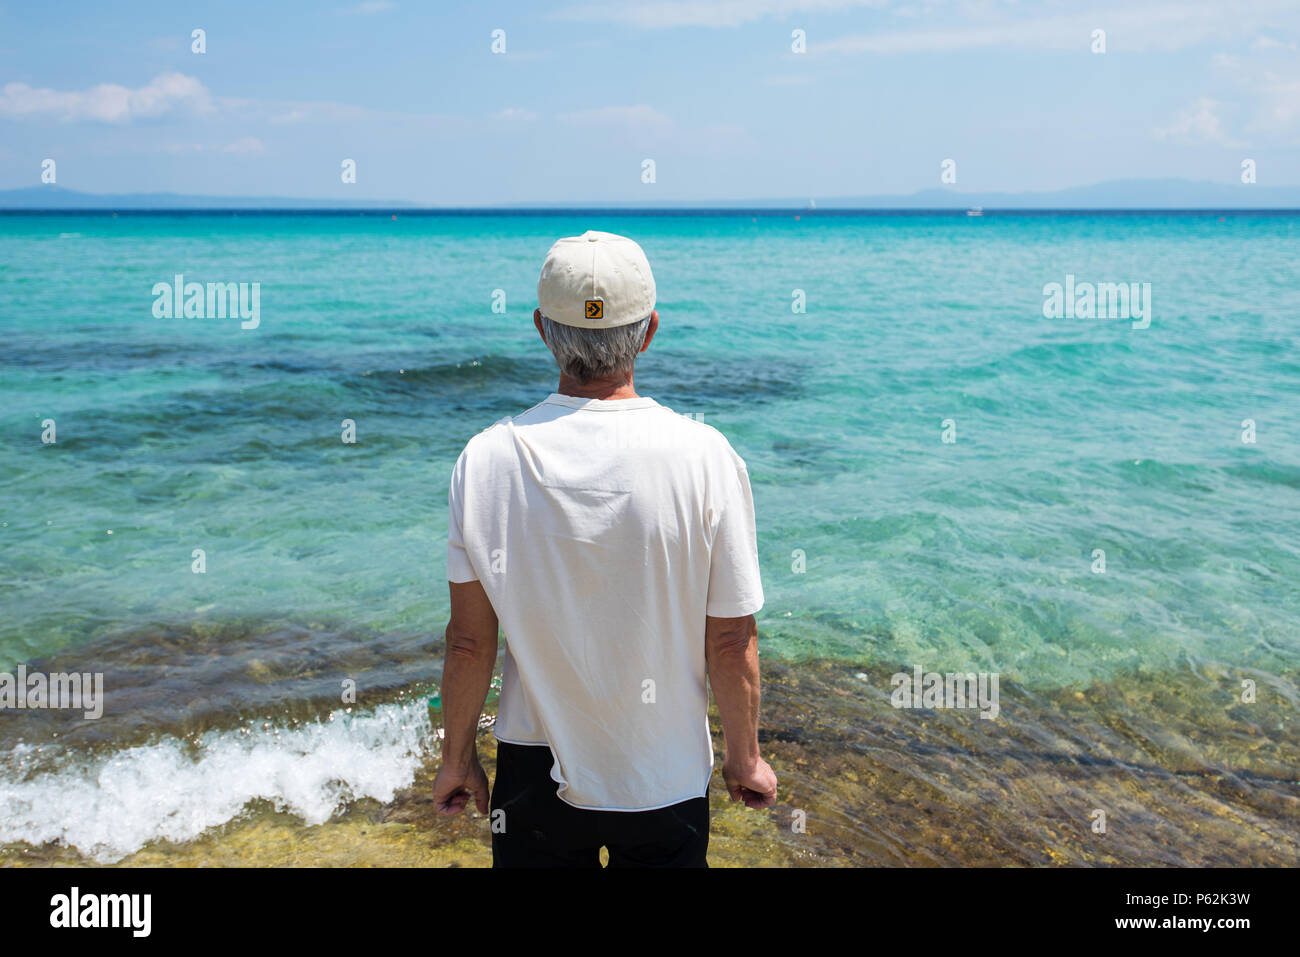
x=595, y=309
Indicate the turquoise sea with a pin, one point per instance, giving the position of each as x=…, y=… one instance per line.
x=1174, y=449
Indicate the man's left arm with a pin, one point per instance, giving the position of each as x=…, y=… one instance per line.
x=471, y=654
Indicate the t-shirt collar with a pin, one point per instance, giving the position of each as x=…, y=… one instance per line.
x=600, y=405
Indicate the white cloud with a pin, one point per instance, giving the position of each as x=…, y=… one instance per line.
x=369, y=8
x=1197, y=123
x=328, y=113
x=280, y=113
x=107, y=102
x=641, y=118
x=294, y=115
x=1264, y=42
x=1132, y=28
x=245, y=144
x=1270, y=81
x=512, y=114
x=1280, y=108
x=1134, y=25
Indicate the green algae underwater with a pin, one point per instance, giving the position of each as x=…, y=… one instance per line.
x=883, y=546
x=1184, y=771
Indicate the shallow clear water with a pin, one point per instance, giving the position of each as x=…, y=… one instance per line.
x=324, y=560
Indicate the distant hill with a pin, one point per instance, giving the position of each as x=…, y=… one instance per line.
x=56, y=197
x=1117, y=194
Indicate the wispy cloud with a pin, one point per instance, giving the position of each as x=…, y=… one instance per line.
x=640, y=118
x=1132, y=28
x=1282, y=109
x=369, y=8
x=644, y=124
x=1197, y=123
x=107, y=102
x=662, y=14
x=177, y=96
x=1269, y=80
x=245, y=144
x=789, y=79
x=514, y=114
x=282, y=113
x=1264, y=42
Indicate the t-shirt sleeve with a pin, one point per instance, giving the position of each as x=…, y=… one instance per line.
x=459, y=567
x=735, y=589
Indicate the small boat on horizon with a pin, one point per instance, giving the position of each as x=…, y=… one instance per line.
x=975, y=211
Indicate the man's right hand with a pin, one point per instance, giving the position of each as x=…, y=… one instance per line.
x=752, y=782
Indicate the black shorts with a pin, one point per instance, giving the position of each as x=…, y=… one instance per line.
x=539, y=830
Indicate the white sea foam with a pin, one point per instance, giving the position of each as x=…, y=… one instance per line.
x=109, y=807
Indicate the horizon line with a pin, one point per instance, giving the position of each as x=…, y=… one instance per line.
x=649, y=210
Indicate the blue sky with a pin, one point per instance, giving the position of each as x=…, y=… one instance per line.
x=710, y=90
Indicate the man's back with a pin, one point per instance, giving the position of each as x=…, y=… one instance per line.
x=613, y=542
x=603, y=532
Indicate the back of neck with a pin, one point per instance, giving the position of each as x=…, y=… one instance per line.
x=606, y=389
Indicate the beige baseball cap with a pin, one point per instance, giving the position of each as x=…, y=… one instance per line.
x=596, y=281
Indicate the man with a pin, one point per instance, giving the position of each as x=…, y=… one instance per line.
x=613, y=541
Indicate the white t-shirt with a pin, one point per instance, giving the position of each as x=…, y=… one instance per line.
x=604, y=531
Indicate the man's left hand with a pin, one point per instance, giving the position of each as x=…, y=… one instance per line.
x=453, y=787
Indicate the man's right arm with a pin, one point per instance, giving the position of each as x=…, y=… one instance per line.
x=731, y=652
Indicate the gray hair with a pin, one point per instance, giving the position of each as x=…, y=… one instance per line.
x=586, y=354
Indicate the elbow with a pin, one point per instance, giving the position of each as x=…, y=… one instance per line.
x=466, y=646
x=733, y=642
